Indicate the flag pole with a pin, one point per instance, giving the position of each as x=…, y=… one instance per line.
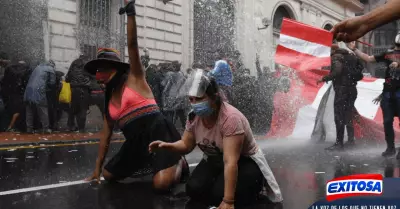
x=365, y=43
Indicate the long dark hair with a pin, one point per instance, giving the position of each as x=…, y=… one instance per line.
x=118, y=78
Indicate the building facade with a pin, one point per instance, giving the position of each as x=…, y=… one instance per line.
x=381, y=38
x=185, y=30
x=252, y=41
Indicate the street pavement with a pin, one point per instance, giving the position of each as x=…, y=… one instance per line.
x=50, y=175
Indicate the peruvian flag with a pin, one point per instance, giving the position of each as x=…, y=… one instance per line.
x=303, y=47
x=306, y=111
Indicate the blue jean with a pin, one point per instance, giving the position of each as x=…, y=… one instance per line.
x=390, y=105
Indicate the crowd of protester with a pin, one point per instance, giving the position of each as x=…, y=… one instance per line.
x=29, y=95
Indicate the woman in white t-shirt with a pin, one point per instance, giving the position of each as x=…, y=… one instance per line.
x=233, y=170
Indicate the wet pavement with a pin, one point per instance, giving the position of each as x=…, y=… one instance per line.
x=12, y=139
x=301, y=168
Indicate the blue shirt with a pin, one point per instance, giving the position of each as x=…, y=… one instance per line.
x=222, y=73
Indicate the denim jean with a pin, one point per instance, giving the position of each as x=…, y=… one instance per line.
x=390, y=105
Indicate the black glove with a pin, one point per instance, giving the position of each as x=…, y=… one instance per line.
x=129, y=9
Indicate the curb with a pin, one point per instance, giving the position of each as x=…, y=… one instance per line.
x=51, y=142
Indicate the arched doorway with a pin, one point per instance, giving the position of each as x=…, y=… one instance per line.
x=280, y=13
x=214, y=29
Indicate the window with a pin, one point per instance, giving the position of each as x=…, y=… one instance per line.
x=280, y=13
x=328, y=27
x=385, y=35
x=95, y=13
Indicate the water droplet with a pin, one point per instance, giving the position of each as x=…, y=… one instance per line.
x=60, y=163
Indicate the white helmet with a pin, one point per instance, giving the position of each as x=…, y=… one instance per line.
x=397, y=39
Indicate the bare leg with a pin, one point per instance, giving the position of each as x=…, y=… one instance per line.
x=109, y=176
x=13, y=120
x=164, y=179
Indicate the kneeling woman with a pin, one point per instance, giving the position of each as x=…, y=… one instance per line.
x=131, y=106
x=233, y=169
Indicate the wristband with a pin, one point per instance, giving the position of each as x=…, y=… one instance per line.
x=129, y=9
x=229, y=202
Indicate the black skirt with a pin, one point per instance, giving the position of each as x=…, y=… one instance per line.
x=134, y=159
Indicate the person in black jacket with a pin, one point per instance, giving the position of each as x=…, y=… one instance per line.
x=346, y=70
x=58, y=107
x=80, y=93
x=12, y=91
x=390, y=103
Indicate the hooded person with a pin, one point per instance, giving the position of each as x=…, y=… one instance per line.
x=233, y=170
x=130, y=105
x=12, y=91
x=41, y=81
x=80, y=94
x=346, y=71
x=389, y=100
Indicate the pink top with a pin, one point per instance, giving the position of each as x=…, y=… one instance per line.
x=130, y=101
x=230, y=122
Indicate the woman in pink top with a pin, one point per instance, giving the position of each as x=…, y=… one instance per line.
x=131, y=106
x=233, y=170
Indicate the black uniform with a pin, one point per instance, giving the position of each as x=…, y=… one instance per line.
x=80, y=94
x=390, y=103
x=346, y=70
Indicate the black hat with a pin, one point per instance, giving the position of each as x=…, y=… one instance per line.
x=107, y=58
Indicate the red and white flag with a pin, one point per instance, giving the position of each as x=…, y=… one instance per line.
x=303, y=47
x=306, y=111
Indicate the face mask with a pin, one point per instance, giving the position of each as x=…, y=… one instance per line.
x=104, y=76
x=202, y=109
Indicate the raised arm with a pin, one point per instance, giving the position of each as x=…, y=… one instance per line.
x=363, y=56
x=136, y=67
